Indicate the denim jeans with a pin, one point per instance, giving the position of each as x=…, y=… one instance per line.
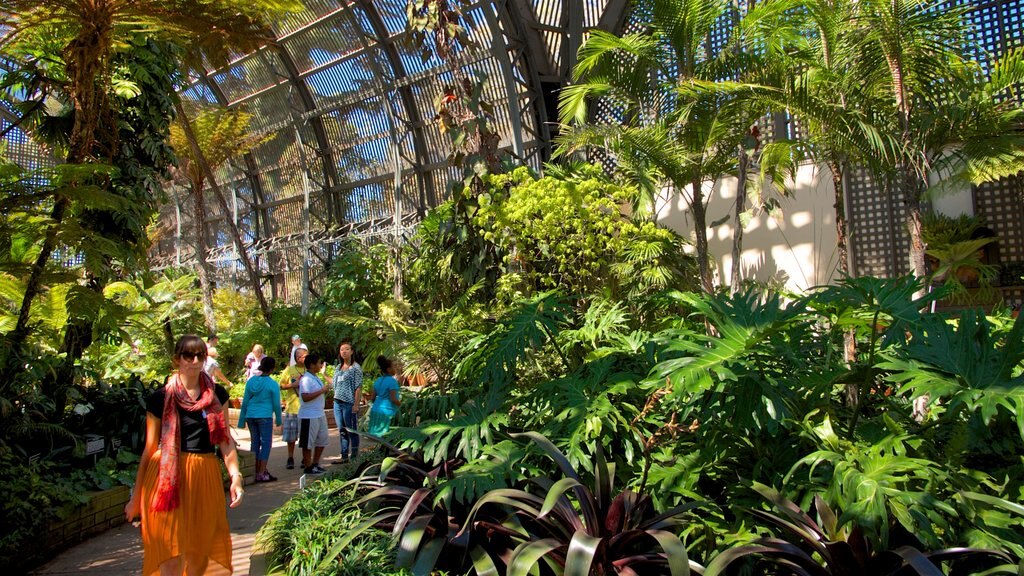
x=345, y=417
x=261, y=430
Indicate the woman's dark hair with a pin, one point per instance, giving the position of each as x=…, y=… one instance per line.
x=190, y=344
x=385, y=363
x=357, y=356
x=267, y=365
x=311, y=358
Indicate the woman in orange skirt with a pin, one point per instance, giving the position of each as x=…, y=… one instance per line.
x=178, y=492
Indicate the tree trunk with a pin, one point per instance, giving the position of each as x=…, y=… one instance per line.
x=85, y=55
x=232, y=227
x=908, y=180
x=34, y=284
x=737, y=235
x=839, y=184
x=77, y=338
x=917, y=245
x=838, y=169
x=202, y=266
x=168, y=331
x=701, y=229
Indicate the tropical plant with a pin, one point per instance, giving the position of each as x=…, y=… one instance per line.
x=89, y=34
x=814, y=41
x=674, y=128
x=298, y=536
x=424, y=504
x=965, y=365
x=216, y=135
x=829, y=546
x=358, y=279
x=940, y=103
x=875, y=481
x=572, y=233
x=111, y=209
x=597, y=531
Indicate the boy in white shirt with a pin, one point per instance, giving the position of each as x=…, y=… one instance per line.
x=312, y=419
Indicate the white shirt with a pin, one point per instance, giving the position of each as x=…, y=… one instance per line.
x=308, y=384
x=294, y=348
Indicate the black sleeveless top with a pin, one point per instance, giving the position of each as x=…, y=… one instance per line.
x=195, y=434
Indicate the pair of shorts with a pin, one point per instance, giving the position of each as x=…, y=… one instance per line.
x=290, y=427
x=313, y=432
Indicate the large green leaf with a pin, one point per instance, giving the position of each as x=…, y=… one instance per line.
x=581, y=554
x=525, y=557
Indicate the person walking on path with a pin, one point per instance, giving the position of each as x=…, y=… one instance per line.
x=179, y=493
x=312, y=419
x=348, y=397
x=252, y=361
x=262, y=400
x=290, y=399
x=385, y=397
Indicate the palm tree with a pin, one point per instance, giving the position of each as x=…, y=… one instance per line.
x=908, y=50
x=673, y=127
x=950, y=120
x=93, y=29
x=217, y=135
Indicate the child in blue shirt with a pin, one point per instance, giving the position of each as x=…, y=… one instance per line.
x=385, y=397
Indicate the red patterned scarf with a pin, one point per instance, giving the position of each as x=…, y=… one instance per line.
x=175, y=396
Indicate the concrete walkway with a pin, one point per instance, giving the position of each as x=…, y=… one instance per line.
x=118, y=552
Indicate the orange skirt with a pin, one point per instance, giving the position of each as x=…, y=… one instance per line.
x=198, y=527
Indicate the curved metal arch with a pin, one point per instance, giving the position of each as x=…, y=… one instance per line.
x=316, y=122
x=414, y=118
x=250, y=163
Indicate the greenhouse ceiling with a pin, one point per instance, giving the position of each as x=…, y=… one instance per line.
x=353, y=147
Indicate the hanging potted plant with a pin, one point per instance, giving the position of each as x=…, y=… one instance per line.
x=961, y=257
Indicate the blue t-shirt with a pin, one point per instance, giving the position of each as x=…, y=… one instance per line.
x=382, y=387
x=262, y=399
x=308, y=384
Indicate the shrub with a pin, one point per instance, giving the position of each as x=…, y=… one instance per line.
x=299, y=535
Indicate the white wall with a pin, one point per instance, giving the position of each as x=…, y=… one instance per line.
x=799, y=250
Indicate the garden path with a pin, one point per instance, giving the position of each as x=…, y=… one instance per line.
x=118, y=552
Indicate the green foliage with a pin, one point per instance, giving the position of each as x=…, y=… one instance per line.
x=572, y=233
x=873, y=481
x=939, y=230
x=358, y=281
x=220, y=133
x=42, y=492
x=299, y=535
x=965, y=366
x=826, y=547
x=727, y=391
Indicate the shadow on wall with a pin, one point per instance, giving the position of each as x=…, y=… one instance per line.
x=795, y=249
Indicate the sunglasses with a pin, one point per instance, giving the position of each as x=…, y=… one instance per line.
x=190, y=356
